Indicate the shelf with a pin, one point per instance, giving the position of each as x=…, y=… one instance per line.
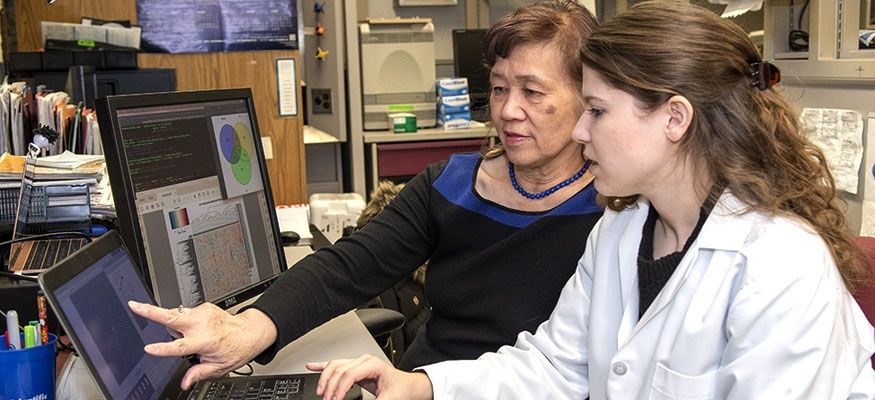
x=317, y=136
x=478, y=132
x=792, y=55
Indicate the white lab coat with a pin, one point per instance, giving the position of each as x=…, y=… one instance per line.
x=755, y=310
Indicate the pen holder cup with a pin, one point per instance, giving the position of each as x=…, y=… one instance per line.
x=28, y=373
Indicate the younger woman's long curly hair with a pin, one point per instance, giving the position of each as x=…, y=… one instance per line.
x=748, y=140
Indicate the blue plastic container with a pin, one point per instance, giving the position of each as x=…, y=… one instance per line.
x=28, y=374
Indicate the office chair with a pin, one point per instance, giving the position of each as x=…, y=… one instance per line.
x=380, y=322
x=866, y=296
x=401, y=306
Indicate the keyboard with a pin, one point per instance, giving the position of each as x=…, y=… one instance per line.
x=45, y=253
x=249, y=388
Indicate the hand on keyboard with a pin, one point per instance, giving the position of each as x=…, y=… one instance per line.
x=372, y=374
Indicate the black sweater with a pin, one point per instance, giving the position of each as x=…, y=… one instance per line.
x=492, y=273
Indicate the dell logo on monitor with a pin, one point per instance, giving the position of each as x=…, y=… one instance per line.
x=229, y=302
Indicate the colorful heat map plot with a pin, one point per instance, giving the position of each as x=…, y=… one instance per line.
x=238, y=149
x=178, y=218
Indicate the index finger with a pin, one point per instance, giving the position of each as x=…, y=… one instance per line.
x=163, y=316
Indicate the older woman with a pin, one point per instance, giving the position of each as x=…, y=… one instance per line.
x=723, y=270
x=487, y=224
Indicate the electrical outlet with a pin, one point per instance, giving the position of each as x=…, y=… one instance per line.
x=321, y=101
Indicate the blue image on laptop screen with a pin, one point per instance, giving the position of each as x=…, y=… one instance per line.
x=95, y=303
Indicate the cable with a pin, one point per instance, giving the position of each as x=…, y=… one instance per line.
x=802, y=13
x=64, y=346
x=44, y=236
x=246, y=373
x=798, y=39
x=19, y=277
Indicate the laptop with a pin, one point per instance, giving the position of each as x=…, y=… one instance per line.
x=47, y=207
x=89, y=292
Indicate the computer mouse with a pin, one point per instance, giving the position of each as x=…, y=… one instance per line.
x=289, y=237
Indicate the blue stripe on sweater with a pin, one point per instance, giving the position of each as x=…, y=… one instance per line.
x=456, y=184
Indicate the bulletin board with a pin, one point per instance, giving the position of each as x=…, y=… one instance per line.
x=198, y=26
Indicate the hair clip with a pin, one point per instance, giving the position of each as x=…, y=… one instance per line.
x=764, y=75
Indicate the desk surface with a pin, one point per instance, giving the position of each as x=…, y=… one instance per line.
x=342, y=337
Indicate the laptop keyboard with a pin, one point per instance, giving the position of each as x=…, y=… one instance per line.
x=250, y=388
x=45, y=253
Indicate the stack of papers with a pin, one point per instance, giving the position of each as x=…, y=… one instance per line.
x=11, y=167
x=117, y=36
x=102, y=204
x=67, y=168
x=68, y=160
x=61, y=167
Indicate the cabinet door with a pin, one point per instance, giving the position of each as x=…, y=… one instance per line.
x=408, y=159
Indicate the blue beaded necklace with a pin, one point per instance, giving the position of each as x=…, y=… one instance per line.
x=560, y=185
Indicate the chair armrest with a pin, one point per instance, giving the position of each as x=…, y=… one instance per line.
x=380, y=321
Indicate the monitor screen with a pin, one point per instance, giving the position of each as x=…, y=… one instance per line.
x=468, y=63
x=192, y=194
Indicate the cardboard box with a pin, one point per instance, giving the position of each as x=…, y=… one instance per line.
x=402, y=122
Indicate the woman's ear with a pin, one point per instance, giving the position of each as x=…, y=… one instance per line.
x=680, y=117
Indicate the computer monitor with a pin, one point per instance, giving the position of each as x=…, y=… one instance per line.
x=192, y=193
x=85, y=83
x=468, y=63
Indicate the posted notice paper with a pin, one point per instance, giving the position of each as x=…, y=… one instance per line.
x=839, y=134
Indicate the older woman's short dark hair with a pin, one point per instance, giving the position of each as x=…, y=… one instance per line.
x=564, y=23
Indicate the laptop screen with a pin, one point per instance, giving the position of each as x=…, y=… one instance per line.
x=94, y=303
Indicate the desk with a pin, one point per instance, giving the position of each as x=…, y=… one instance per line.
x=390, y=154
x=342, y=337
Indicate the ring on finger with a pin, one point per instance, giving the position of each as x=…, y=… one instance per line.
x=180, y=309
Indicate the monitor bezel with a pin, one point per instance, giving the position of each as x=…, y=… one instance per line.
x=123, y=190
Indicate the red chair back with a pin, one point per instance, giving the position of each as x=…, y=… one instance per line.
x=866, y=296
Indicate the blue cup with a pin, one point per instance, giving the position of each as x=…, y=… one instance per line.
x=28, y=374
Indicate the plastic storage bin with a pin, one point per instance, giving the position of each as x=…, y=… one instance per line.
x=330, y=212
